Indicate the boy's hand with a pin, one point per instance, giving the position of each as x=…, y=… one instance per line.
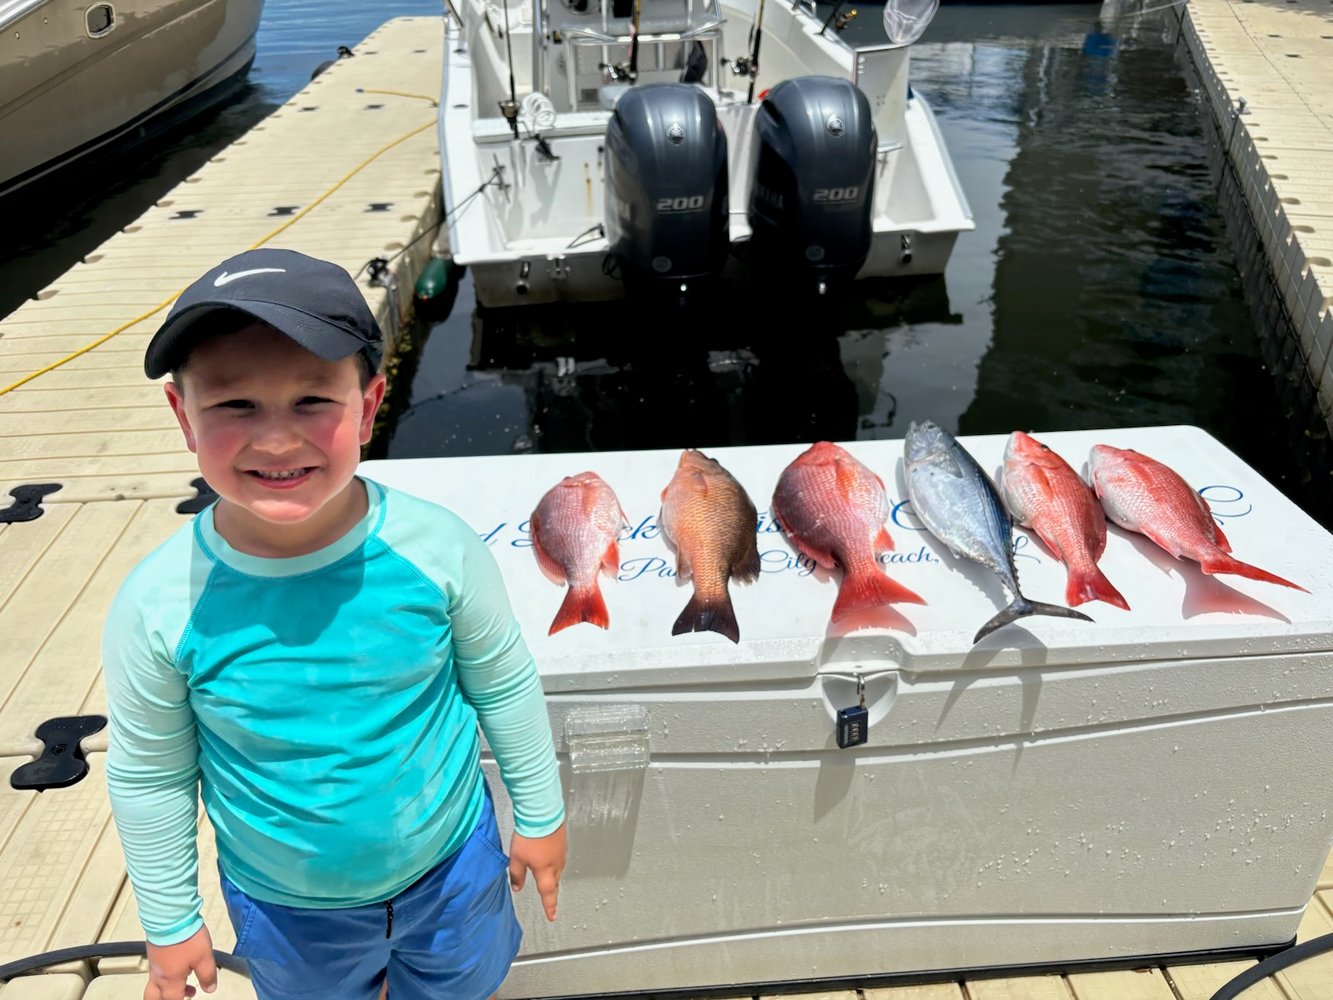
x=546, y=857
x=170, y=964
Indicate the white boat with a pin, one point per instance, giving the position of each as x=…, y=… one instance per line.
x=580, y=150
x=76, y=75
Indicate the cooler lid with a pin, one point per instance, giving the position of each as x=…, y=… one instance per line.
x=1177, y=611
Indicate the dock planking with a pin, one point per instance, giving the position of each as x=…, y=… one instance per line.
x=354, y=177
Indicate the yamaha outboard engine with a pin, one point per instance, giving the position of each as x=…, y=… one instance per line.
x=666, y=186
x=810, y=201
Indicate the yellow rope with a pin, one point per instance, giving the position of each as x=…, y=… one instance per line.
x=402, y=93
x=290, y=222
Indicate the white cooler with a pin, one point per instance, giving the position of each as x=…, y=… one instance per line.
x=1157, y=783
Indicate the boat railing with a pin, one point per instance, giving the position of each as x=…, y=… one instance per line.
x=14, y=11
x=662, y=36
x=451, y=11
x=663, y=22
x=710, y=33
x=541, y=81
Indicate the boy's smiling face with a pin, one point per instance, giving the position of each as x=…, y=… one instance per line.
x=278, y=434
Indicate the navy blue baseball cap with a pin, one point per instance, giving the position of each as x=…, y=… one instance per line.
x=314, y=302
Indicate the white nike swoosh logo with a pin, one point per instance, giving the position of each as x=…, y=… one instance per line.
x=224, y=277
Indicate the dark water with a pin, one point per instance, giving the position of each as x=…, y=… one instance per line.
x=1098, y=290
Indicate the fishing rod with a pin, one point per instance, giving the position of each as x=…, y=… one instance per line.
x=634, y=42
x=753, y=64
x=509, y=108
x=834, y=13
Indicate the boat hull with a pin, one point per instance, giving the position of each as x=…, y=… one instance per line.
x=74, y=94
x=580, y=276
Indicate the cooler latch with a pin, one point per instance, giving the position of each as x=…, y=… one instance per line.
x=853, y=724
x=858, y=697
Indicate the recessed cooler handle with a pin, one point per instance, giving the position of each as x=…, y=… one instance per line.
x=609, y=750
x=607, y=738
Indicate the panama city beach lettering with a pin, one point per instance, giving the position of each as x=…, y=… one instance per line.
x=775, y=556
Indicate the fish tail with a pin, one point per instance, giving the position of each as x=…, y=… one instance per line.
x=581, y=604
x=709, y=614
x=1021, y=607
x=1092, y=585
x=869, y=590
x=1221, y=562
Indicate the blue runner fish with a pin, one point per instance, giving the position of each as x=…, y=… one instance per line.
x=956, y=502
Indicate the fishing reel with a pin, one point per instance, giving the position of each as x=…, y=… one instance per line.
x=743, y=65
x=842, y=20
x=617, y=72
x=837, y=18
x=509, y=109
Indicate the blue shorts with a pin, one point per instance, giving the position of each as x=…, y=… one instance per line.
x=453, y=934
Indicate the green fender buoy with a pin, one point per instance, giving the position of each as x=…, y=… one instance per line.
x=434, y=280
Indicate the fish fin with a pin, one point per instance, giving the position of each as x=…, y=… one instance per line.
x=747, y=568
x=713, y=614
x=1042, y=477
x=870, y=590
x=883, y=541
x=1157, y=538
x=683, y=568
x=1137, y=471
x=583, y=604
x=1043, y=532
x=544, y=559
x=1092, y=585
x=949, y=464
x=820, y=557
x=611, y=557
x=845, y=476
x=1219, y=539
x=1222, y=562
x=1021, y=607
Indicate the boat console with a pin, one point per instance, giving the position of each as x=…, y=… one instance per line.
x=588, y=52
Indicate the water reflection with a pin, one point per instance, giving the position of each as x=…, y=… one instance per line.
x=734, y=369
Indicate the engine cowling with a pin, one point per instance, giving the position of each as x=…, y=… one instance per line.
x=813, y=182
x=666, y=185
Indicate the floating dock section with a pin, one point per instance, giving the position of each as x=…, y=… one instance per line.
x=1265, y=69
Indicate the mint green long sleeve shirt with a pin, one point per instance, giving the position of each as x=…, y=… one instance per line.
x=325, y=708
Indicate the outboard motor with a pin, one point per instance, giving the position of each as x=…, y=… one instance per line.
x=666, y=186
x=814, y=172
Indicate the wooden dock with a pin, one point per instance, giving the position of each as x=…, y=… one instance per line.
x=348, y=170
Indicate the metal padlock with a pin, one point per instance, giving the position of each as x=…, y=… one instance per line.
x=853, y=724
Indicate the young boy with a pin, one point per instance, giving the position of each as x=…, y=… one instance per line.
x=314, y=652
